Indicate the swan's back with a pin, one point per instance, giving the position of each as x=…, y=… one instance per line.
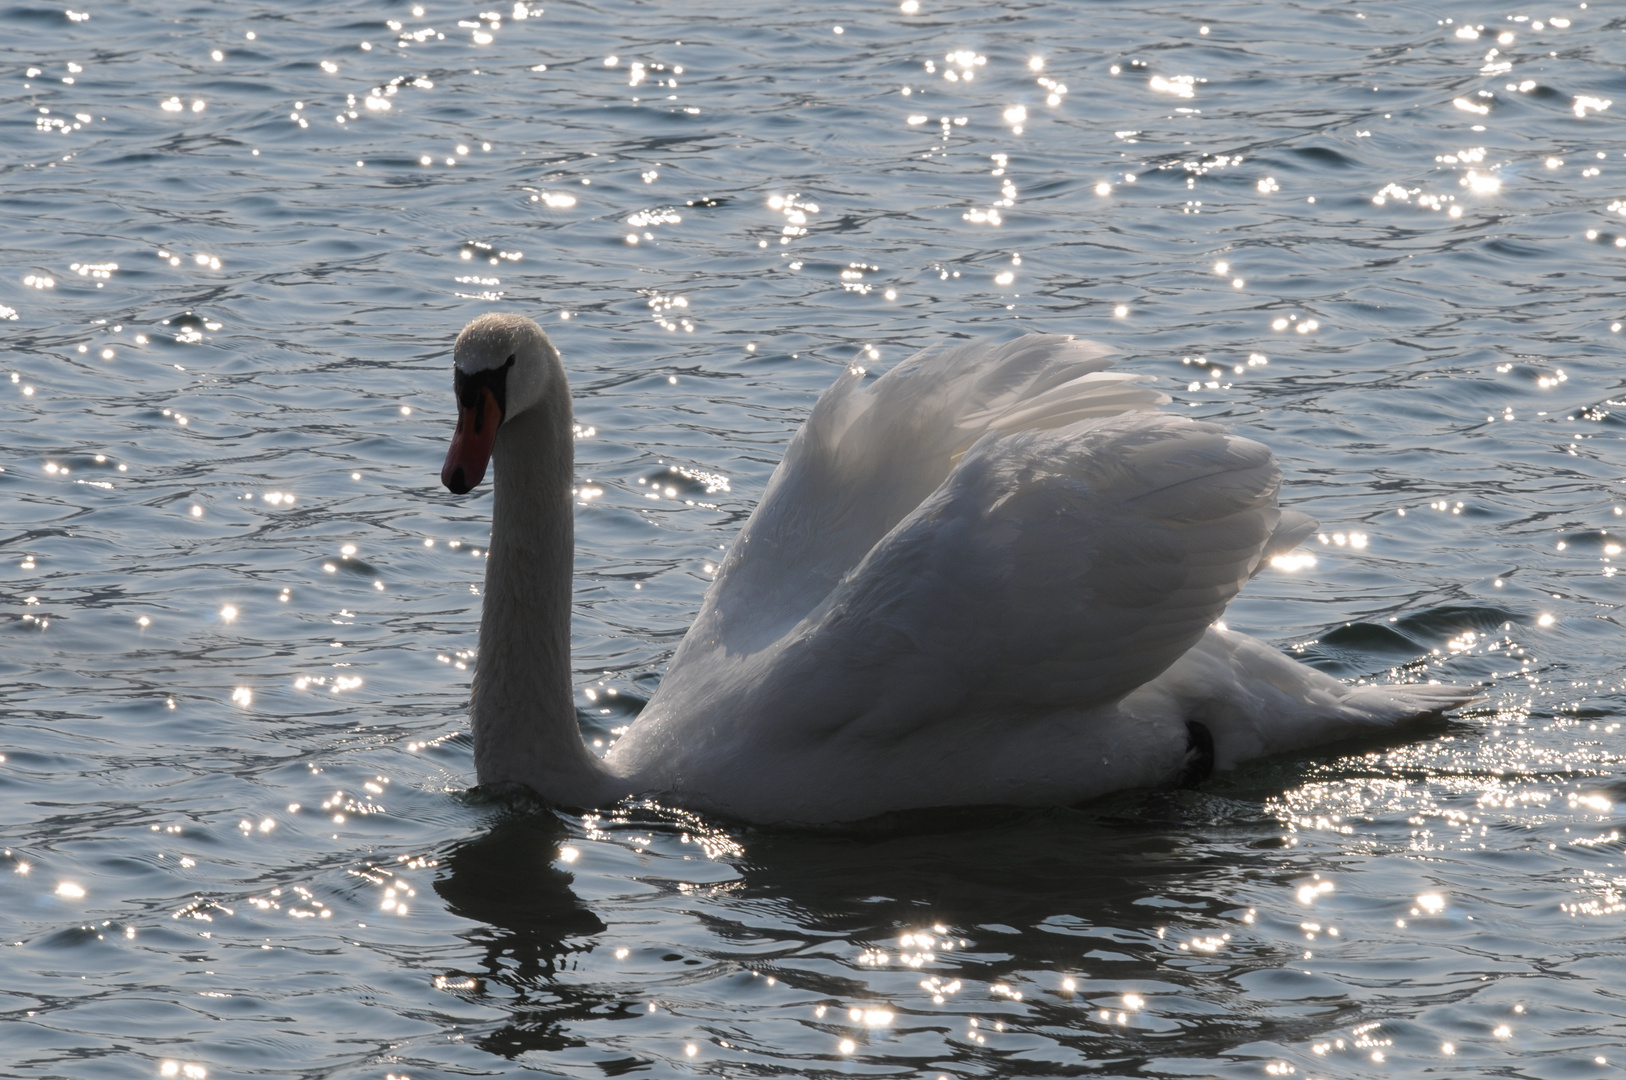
x=989, y=576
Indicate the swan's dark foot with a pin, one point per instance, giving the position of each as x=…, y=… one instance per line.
x=1199, y=755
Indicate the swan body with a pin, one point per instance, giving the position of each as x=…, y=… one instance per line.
x=991, y=576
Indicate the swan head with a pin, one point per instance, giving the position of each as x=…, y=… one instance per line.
x=502, y=365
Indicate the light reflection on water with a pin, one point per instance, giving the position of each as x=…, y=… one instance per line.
x=1385, y=241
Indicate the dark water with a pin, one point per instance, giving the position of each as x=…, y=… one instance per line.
x=238, y=609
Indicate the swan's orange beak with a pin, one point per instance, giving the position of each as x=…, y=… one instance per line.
x=471, y=446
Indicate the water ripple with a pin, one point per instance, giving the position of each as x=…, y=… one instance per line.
x=240, y=616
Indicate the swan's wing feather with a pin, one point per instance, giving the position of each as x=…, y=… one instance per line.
x=1062, y=567
x=872, y=451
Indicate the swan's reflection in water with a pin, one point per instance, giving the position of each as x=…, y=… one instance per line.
x=1123, y=931
x=533, y=924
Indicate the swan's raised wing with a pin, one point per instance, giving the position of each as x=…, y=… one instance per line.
x=1052, y=568
x=872, y=451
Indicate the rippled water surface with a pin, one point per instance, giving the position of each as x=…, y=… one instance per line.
x=239, y=612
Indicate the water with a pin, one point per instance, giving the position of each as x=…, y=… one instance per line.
x=234, y=669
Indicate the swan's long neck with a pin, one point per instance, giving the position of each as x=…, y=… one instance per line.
x=524, y=718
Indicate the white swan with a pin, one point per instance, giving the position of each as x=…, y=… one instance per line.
x=990, y=576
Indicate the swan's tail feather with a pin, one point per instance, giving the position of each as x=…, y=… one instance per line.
x=1326, y=711
x=1257, y=701
x=1382, y=705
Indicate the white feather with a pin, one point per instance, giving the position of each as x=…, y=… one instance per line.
x=989, y=576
